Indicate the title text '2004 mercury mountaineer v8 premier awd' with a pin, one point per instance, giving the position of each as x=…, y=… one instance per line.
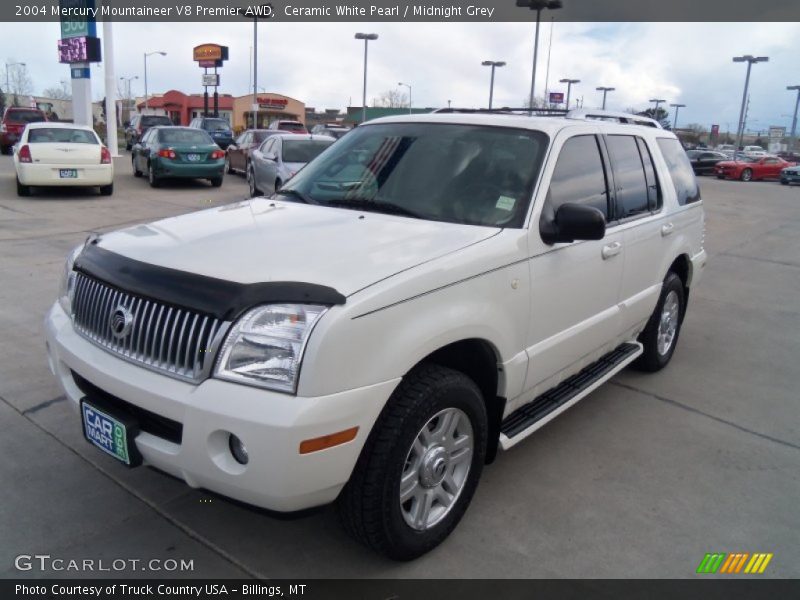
x=429, y=289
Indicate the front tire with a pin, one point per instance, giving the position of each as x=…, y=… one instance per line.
x=228, y=167
x=660, y=335
x=136, y=171
x=420, y=466
x=251, y=183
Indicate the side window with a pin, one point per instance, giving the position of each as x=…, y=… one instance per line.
x=654, y=197
x=266, y=147
x=626, y=162
x=680, y=170
x=579, y=177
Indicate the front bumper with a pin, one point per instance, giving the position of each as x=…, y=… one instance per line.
x=271, y=425
x=47, y=175
x=170, y=168
x=790, y=177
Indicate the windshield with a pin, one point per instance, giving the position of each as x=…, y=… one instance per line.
x=61, y=135
x=216, y=125
x=24, y=116
x=153, y=120
x=303, y=151
x=457, y=173
x=260, y=136
x=291, y=126
x=184, y=136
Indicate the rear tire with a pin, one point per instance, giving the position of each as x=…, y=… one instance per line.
x=216, y=181
x=136, y=171
x=251, y=183
x=228, y=167
x=152, y=177
x=660, y=335
x=747, y=175
x=5, y=149
x=23, y=190
x=107, y=190
x=430, y=442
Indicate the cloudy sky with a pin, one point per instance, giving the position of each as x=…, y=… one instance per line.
x=321, y=63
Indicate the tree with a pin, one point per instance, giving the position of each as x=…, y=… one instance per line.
x=59, y=92
x=661, y=116
x=2, y=101
x=693, y=133
x=392, y=99
x=19, y=82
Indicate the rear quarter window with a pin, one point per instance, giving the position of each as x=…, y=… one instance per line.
x=680, y=171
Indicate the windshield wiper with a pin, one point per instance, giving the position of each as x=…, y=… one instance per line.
x=296, y=194
x=375, y=206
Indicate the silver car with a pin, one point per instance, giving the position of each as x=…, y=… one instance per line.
x=280, y=157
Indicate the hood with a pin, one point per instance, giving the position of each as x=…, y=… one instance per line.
x=263, y=240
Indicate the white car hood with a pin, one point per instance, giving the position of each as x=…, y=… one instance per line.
x=263, y=240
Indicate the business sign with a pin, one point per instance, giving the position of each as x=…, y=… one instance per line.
x=210, y=55
x=77, y=26
x=777, y=133
x=556, y=97
x=271, y=102
x=79, y=50
x=210, y=80
x=714, y=130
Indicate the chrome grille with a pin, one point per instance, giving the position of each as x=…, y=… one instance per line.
x=176, y=341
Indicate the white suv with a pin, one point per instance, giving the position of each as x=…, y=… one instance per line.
x=428, y=290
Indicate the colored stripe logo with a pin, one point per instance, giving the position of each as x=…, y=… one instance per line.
x=734, y=562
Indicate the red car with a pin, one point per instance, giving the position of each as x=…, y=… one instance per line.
x=749, y=169
x=14, y=121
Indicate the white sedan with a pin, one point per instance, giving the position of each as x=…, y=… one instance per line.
x=57, y=154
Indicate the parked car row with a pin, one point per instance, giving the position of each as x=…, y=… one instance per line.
x=752, y=168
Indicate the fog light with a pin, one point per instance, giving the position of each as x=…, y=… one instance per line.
x=238, y=449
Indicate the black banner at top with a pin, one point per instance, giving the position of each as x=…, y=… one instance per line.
x=406, y=10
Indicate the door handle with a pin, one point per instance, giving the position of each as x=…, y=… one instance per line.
x=611, y=250
x=667, y=229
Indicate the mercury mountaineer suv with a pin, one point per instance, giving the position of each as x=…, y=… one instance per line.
x=429, y=290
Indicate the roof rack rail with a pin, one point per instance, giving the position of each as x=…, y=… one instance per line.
x=505, y=110
x=582, y=114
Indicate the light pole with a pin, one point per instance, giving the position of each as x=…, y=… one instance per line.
x=408, y=85
x=569, y=83
x=750, y=60
x=366, y=37
x=127, y=81
x=8, y=85
x=494, y=64
x=605, y=91
x=448, y=103
x=793, y=141
x=538, y=6
x=146, y=54
x=656, y=101
x=677, y=107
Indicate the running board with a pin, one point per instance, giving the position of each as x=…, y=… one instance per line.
x=537, y=413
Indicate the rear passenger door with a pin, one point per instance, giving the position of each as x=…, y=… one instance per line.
x=574, y=286
x=645, y=231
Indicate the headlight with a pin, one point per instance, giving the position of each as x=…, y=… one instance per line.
x=265, y=346
x=66, y=288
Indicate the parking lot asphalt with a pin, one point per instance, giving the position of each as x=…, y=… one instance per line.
x=640, y=479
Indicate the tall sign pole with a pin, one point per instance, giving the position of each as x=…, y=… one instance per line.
x=111, y=89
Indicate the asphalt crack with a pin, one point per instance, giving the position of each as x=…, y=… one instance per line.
x=691, y=409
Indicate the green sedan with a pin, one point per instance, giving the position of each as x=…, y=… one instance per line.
x=178, y=153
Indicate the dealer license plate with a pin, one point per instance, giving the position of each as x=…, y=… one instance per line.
x=68, y=173
x=193, y=157
x=107, y=433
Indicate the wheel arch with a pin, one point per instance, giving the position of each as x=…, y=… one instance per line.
x=682, y=267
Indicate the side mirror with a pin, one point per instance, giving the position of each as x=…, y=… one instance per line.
x=576, y=222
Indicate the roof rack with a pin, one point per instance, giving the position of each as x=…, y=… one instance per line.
x=582, y=114
x=578, y=114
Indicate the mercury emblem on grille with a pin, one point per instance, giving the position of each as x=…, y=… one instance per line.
x=120, y=321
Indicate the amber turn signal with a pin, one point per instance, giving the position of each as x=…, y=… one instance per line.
x=328, y=441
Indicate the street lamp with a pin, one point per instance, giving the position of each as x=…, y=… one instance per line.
x=494, y=64
x=17, y=64
x=127, y=81
x=793, y=141
x=408, y=85
x=366, y=37
x=677, y=107
x=750, y=60
x=146, y=54
x=605, y=91
x=538, y=6
x=569, y=83
x=657, y=101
